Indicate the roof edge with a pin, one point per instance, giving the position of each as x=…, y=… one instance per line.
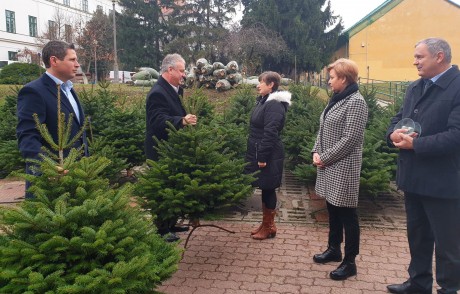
x=373, y=16
x=453, y=3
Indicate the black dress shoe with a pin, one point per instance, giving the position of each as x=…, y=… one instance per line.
x=331, y=254
x=345, y=270
x=407, y=288
x=178, y=229
x=444, y=291
x=171, y=237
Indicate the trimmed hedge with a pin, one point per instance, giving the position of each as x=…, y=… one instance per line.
x=20, y=73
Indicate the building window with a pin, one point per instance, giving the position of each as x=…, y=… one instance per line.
x=13, y=55
x=68, y=33
x=32, y=26
x=84, y=5
x=52, y=30
x=67, y=2
x=10, y=22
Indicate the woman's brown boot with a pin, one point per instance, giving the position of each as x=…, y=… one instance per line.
x=264, y=216
x=268, y=229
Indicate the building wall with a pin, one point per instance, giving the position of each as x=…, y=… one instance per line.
x=384, y=49
x=43, y=10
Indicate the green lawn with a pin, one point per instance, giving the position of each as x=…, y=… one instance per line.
x=137, y=94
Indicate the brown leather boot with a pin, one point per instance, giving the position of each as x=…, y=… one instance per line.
x=264, y=216
x=268, y=229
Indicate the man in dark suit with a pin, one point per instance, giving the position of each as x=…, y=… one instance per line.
x=40, y=97
x=429, y=170
x=164, y=105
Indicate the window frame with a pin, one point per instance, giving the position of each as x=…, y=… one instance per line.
x=68, y=33
x=10, y=17
x=84, y=5
x=13, y=55
x=33, y=26
x=52, y=30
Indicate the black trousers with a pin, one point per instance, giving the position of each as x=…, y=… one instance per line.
x=269, y=198
x=340, y=219
x=164, y=226
x=433, y=224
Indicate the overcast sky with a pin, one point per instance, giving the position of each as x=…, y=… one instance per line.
x=353, y=11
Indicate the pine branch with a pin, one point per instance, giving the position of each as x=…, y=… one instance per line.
x=63, y=134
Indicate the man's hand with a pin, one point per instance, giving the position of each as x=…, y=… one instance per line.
x=395, y=136
x=262, y=164
x=61, y=170
x=401, y=140
x=189, y=119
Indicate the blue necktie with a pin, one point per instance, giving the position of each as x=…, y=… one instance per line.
x=427, y=85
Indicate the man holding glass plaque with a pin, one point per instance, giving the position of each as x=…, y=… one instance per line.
x=429, y=169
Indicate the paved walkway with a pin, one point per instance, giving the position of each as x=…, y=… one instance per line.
x=219, y=262
x=216, y=261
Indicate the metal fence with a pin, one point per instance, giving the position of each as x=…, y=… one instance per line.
x=387, y=91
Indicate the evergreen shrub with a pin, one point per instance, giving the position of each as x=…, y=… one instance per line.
x=195, y=175
x=10, y=157
x=78, y=235
x=20, y=73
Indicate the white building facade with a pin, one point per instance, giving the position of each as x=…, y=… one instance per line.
x=24, y=22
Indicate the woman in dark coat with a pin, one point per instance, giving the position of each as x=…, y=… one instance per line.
x=265, y=151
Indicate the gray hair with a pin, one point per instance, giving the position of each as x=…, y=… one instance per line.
x=171, y=60
x=436, y=45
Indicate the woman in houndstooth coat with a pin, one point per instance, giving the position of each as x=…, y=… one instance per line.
x=337, y=153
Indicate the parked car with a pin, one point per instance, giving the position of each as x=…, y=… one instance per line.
x=123, y=76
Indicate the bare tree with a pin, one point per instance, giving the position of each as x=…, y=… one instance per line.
x=30, y=56
x=63, y=26
x=252, y=45
x=96, y=43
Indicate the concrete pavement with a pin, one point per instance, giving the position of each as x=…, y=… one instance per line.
x=217, y=262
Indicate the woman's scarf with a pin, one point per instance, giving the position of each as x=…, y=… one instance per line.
x=350, y=89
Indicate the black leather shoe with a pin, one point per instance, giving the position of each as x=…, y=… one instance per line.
x=345, y=270
x=331, y=254
x=444, y=291
x=178, y=229
x=407, y=288
x=171, y=237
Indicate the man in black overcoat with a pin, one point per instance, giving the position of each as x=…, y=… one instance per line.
x=164, y=105
x=429, y=170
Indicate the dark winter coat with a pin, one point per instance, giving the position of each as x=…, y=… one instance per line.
x=264, y=142
x=40, y=97
x=432, y=168
x=163, y=104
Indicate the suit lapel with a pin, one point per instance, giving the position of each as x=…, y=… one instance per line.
x=65, y=103
x=80, y=109
x=418, y=92
x=172, y=93
x=337, y=105
x=169, y=89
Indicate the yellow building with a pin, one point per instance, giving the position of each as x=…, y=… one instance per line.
x=382, y=43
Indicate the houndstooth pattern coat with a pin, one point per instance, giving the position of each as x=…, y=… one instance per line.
x=339, y=144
